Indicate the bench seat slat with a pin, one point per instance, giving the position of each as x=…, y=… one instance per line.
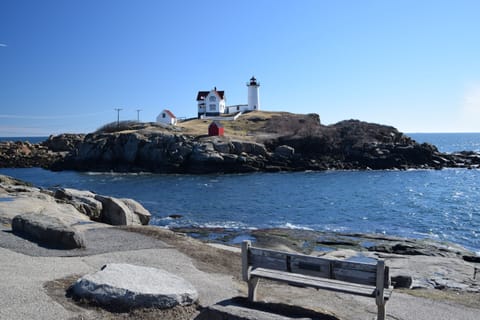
x=318, y=283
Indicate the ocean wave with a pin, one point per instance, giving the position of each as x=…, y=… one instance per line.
x=289, y=225
x=224, y=225
x=111, y=173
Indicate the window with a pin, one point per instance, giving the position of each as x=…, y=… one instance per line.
x=212, y=107
x=163, y=115
x=212, y=98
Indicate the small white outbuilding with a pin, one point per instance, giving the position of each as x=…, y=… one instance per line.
x=167, y=117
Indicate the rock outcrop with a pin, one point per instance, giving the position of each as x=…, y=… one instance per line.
x=21, y=154
x=285, y=142
x=139, y=213
x=114, y=211
x=117, y=212
x=25, y=155
x=127, y=287
x=64, y=142
x=348, y=144
x=69, y=206
x=83, y=201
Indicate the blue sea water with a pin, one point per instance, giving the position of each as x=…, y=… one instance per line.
x=437, y=204
x=450, y=142
x=29, y=139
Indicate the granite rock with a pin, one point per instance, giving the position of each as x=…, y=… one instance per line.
x=48, y=230
x=128, y=287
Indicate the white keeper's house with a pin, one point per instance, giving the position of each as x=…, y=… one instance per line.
x=213, y=103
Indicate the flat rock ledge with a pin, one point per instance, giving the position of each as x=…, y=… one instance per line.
x=239, y=308
x=126, y=287
x=48, y=230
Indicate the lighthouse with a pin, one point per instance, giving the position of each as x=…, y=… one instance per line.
x=253, y=98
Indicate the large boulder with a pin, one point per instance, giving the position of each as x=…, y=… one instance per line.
x=256, y=149
x=138, y=210
x=48, y=230
x=128, y=287
x=83, y=201
x=122, y=213
x=284, y=152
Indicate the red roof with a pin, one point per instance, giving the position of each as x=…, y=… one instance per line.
x=169, y=113
x=216, y=123
x=203, y=94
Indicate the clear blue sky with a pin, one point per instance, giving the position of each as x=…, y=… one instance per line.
x=65, y=65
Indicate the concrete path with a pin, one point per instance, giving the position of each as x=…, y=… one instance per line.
x=23, y=279
x=26, y=268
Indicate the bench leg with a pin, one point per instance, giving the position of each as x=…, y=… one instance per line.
x=252, y=288
x=381, y=312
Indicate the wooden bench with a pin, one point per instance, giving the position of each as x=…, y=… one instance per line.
x=364, y=279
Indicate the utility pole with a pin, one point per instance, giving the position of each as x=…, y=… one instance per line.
x=138, y=114
x=118, y=116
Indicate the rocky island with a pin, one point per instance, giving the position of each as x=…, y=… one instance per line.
x=256, y=141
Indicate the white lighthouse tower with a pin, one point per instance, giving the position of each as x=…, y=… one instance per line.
x=253, y=97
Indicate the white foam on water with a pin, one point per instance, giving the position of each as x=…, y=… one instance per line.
x=289, y=225
x=111, y=173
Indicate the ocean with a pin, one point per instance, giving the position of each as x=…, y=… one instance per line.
x=437, y=204
x=29, y=139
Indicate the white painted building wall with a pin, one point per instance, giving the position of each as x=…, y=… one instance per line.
x=235, y=108
x=253, y=94
x=202, y=109
x=167, y=117
x=214, y=104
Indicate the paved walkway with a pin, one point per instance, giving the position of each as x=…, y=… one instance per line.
x=26, y=268
x=24, y=276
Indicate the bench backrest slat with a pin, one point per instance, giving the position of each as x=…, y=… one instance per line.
x=311, y=266
x=275, y=260
x=355, y=276
x=354, y=272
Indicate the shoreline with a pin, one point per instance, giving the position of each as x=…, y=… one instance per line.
x=276, y=142
x=181, y=220
x=431, y=280
x=357, y=240
x=400, y=253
